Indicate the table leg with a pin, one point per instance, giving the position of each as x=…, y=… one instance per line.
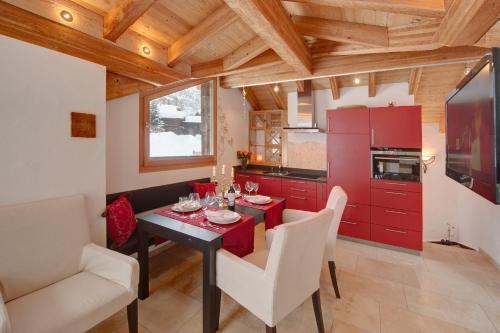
x=143, y=257
x=209, y=292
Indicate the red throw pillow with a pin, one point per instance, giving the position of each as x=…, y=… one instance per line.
x=120, y=221
x=203, y=188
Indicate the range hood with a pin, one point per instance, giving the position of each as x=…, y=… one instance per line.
x=301, y=116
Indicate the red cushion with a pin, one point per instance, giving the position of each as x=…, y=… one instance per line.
x=120, y=221
x=203, y=188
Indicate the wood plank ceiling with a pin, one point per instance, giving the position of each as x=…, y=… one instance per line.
x=260, y=42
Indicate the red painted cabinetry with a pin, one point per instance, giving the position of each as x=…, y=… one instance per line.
x=396, y=127
x=300, y=194
x=270, y=186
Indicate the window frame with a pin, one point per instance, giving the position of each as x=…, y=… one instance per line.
x=152, y=164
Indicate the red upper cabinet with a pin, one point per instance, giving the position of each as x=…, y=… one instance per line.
x=396, y=127
x=348, y=121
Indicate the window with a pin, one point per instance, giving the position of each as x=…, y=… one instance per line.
x=178, y=126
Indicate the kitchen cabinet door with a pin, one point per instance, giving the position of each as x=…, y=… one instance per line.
x=241, y=178
x=270, y=186
x=321, y=196
x=349, y=165
x=396, y=127
x=349, y=121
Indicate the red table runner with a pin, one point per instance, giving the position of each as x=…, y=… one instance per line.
x=237, y=237
x=273, y=211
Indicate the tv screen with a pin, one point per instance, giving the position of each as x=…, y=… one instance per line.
x=471, y=155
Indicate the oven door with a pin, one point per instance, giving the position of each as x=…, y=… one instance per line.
x=396, y=165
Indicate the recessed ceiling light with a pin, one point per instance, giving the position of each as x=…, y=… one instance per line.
x=146, y=50
x=357, y=80
x=276, y=88
x=66, y=16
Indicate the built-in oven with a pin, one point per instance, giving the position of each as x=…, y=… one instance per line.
x=396, y=164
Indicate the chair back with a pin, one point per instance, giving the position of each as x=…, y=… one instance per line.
x=295, y=259
x=41, y=243
x=336, y=201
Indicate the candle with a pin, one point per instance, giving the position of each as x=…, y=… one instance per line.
x=259, y=158
x=232, y=172
x=223, y=169
x=213, y=172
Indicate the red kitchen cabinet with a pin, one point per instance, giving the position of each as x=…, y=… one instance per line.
x=241, y=179
x=397, y=218
x=321, y=196
x=348, y=121
x=300, y=202
x=355, y=212
x=354, y=229
x=270, y=186
x=397, y=185
x=411, y=201
x=300, y=194
x=349, y=165
x=396, y=236
x=396, y=127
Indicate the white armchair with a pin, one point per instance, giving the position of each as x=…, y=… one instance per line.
x=52, y=278
x=336, y=201
x=272, y=283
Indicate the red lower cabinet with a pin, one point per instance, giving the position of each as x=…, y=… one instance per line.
x=396, y=218
x=241, y=179
x=270, y=186
x=355, y=212
x=397, y=199
x=397, y=237
x=300, y=194
x=300, y=202
x=355, y=229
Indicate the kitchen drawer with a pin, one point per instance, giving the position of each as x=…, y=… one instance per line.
x=270, y=186
x=397, y=185
x=354, y=229
x=397, y=199
x=242, y=178
x=298, y=184
x=390, y=217
x=396, y=236
x=356, y=213
x=321, y=196
x=295, y=201
x=304, y=191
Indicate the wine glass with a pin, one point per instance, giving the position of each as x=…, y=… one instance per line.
x=182, y=203
x=256, y=187
x=249, y=187
x=210, y=199
x=237, y=189
x=195, y=201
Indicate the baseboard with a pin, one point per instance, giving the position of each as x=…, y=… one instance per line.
x=490, y=259
x=380, y=245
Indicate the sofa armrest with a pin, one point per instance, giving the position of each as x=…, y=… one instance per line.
x=4, y=317
x=292, y=215
x=111, y=265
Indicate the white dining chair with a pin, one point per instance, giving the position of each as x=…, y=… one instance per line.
x=336, y=201
x=272, y=283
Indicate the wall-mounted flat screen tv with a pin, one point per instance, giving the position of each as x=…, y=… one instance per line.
x=472, y=129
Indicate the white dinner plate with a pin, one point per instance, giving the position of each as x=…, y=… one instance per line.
x=222, y=216
x=185, y=208
x=258, y=199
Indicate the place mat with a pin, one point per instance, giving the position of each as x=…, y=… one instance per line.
x=238, y=237
x=273, y=211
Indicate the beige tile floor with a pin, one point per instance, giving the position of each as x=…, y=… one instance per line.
x=443, y=290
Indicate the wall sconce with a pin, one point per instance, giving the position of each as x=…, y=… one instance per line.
x=146, y=50
x=428, y=159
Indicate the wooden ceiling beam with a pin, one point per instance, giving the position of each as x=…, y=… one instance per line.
x=122, y=15
x=467, y=21
x=278, y=96
x=414, y=81
x=251, y=98
x=345, y=65
x=334, y=87
x=221, y=18
x=26, y=26
x=372, y=84
x=270, y=20
x=119, y=86
x=244, y=53
x=426, y=8
x=300, y=85
x=342, y=31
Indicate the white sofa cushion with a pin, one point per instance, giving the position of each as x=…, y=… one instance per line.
x=41, y=243
x=74, y=304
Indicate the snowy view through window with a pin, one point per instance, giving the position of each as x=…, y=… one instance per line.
x=176, y=123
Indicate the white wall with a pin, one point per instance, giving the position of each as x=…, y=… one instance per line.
x=122, y=162
x=477, y=220
x=315, y=144
x=39, y=88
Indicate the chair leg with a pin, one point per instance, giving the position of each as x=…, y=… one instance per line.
x=317, y=311
x=133, y=326
x=270, y=329
x=333, y=275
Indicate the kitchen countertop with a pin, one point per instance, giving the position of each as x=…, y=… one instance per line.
x=262, y=170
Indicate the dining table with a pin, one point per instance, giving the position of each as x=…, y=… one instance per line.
x=207, y=239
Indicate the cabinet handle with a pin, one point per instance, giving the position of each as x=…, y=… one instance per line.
x=373, y=137
x=297, y=189
x=398, y=184
x=395, y=212
x=300, y=198
x=347, y=222
x=396, y=193
x=328, y=169
x=396, y=231
x=297, y=182
x=328, y=126
x=265, y=178
x=353, y=206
